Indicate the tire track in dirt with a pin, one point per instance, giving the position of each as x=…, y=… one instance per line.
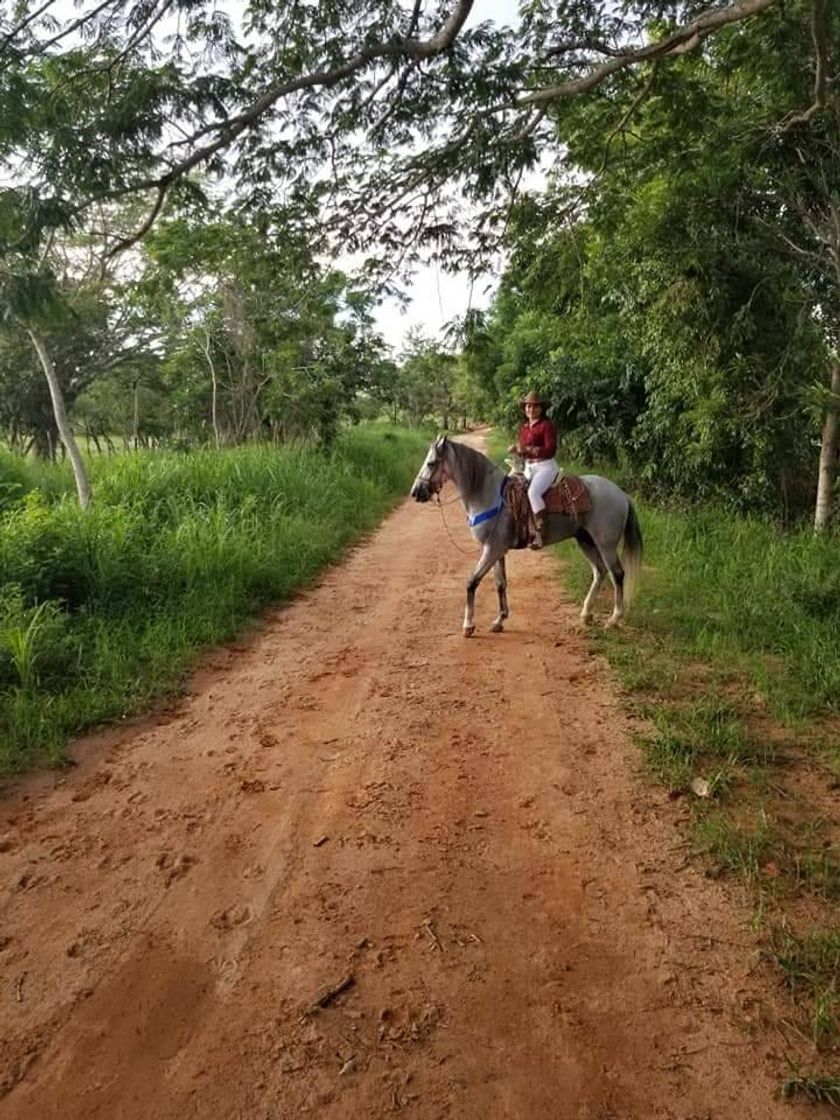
x=358, y=791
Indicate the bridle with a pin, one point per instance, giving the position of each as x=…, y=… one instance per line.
x=437, y=476
x=433, y=477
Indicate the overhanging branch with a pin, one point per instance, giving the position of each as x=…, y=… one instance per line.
x=231, y=129
x=819, y=37
x=631, y=109
x=132, y=239
x=678, y=42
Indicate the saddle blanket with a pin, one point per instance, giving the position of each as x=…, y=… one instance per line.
x=567, y=495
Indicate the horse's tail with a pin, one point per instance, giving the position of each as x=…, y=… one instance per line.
x=631, y=558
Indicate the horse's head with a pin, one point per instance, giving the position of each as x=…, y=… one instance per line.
x=433, y=473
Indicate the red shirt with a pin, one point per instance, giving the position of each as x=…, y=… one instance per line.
x=538, y=441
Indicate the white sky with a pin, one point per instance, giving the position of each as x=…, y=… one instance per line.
x=437, y=297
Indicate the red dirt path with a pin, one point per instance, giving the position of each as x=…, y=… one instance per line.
x=359, y=792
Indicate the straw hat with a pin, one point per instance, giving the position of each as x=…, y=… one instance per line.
x=534, y=398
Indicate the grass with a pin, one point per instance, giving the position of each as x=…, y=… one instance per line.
x=706, y=735
x=104, y=612
x=740, y=595
x=731, y=656
x=738, y=847
x=20, y=476
x=814, y=1087
x=810, y=965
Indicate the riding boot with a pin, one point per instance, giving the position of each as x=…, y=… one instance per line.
x=539, y=521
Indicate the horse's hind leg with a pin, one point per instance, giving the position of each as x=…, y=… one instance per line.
x=610, y=556
x=599, y=570
x=501, y=587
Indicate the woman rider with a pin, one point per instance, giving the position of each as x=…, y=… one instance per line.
x=537, y=444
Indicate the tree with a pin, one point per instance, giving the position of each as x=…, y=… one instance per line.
x=261, y=338
x=479, y=358
x=648, y=293
x=805, y=227
x=67, y=297
x=428, y=377
x=130, y=98
x=364, y=115
x=30, y=304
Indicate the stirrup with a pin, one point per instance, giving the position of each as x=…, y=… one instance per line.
x=537, y=541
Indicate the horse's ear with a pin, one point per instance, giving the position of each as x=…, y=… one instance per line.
x=441, y=441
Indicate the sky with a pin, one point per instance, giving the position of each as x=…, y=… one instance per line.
x=436, y=296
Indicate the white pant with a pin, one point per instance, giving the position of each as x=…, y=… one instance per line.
x=540, y=474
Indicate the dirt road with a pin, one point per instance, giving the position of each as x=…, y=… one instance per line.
x=453, y=829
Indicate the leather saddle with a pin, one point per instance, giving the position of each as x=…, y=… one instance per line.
x=568, y=495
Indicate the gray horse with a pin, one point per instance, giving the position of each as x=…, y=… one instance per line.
x=598, y=532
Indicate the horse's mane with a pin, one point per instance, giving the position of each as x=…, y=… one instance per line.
x=475, y=466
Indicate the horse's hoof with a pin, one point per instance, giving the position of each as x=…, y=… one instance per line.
x=612, y=622
x=469, y=631
x=497, y=628
x=586, y=619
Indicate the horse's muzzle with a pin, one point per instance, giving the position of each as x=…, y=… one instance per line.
x=421, y=491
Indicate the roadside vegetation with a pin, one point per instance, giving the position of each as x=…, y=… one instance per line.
x=730, y=657
x=101, y=612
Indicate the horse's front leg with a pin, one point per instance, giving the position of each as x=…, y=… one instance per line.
x=486, y=560
x=501, y=588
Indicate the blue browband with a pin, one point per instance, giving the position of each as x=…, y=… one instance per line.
x=477, y=518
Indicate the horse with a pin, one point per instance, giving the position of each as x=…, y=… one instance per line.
x=598, y=531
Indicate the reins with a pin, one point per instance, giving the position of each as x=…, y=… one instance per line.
x=458, y=498
x=452, y=540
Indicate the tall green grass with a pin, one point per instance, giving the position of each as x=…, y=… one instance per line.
x=100, y=613
x=742, y=595
x=19, y=476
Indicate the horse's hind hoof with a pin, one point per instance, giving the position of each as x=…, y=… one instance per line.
x=469, y=631
x=497, y=628
x=613, y=621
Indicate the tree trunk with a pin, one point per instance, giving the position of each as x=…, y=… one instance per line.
x=828, y=454
x=214, y=403
x=62, y=422
x=46, y=442
x=135, y=421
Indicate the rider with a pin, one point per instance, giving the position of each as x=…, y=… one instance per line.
x=537, y=444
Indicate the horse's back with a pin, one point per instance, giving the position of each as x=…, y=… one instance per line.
x=609, y=505
x=603, y=489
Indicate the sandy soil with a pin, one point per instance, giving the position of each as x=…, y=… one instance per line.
x=453, y=830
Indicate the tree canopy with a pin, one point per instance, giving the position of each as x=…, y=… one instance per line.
x=679, y=300
x=676, y=287
x=374, y=112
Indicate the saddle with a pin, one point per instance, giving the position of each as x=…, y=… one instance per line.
x=567, y=495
